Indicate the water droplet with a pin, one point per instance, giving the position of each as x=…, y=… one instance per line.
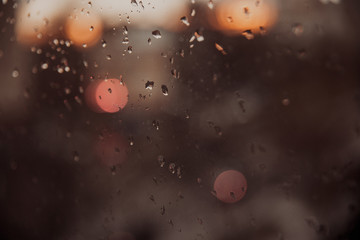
x=199, y=37
x=156, y=124
x=149, y=41
x=180, y=195
x=156, y=34
x=285, y=102
x=185, y=21
x=113, y=170
x=90, y=4
x=130, y=50
x=15, y=73
x=76, y=156
x=193, y=13
x=131, y=141
x=246, y=10
x=172, y=167
x=134, y=3
x=187, y=115
x=125, y=30
x=262, y=30
x=108, y=57
x=56, y=42
x=151, y=197
x=78, y=100
x=91, y=28
x=67, y=105
x=218, y=130
x=173, y=72
x=149, y=85
x=125, y=40
x=162, y=210
x=34, y=70
x=141, y=4
x=60, y=70
x=248, y=35
x=67, y=91
x=298, y=29
x=178, y=172
x=103, y=43
x=161, y=160
x=220, y=48
x=210, y=4
x=164, y=90
x=44, y=66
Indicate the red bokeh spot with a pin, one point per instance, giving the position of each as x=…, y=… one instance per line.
x=111, y=149
x=230, y=186
x=106, y=96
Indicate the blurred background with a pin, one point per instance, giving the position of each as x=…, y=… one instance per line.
x=269, y=88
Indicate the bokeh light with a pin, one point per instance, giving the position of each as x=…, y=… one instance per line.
x=111, y=149
x=38, y=20
x=236, y=17
x=84, y=28
x=230, y=186
x=106, y=96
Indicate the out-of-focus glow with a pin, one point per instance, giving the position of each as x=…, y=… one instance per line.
x=235, y=17
x=230, y=186
x=227, y=112
x=37, y=20
x=111, y=149
x=106, y=96
x=144, y=14
x=84, y=28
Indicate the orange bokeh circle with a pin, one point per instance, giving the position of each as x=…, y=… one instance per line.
x=237, y=16
x=84, y=29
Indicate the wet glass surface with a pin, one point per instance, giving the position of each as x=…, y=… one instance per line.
x=181, y=119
